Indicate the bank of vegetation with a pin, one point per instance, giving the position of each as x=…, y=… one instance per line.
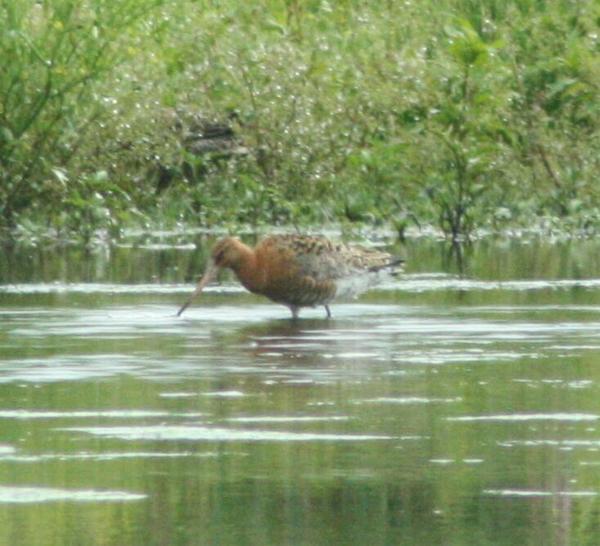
x=457, y=114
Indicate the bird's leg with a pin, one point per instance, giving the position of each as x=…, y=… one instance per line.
x=328, y=311
x=294, y=309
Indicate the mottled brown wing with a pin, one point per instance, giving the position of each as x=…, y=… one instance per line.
x=293, y=272
x=323, y=260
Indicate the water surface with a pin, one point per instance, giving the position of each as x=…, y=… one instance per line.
x=457, y=404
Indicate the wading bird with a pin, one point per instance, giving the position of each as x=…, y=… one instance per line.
x=298, y=270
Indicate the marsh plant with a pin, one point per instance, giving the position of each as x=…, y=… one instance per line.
x=455, y=113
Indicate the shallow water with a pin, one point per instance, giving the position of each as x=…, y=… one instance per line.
x=458, y=404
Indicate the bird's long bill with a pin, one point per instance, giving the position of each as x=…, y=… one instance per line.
x=209, y=275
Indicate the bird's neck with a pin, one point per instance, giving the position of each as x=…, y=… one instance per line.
x=248, y=269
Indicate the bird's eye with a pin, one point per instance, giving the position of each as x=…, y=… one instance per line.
x=219, y=256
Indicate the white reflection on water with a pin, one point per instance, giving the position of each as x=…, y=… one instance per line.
x=82, y=414
x=182, y=394
x=224, y=394
x=577, y=384
x=408, y=400
x=536, y=493
x=593, y=445
x=287, y=419
x=219, y=434
x=18, y=494
x=66, y=368
x=415, y=283
x=511, y=417
x=104, y=456
x=426, y=283
x=110, y=288
x=442, y=461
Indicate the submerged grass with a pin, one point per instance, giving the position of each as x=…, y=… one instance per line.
x=458, y=114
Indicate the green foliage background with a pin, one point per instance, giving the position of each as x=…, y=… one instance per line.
x=460, y=114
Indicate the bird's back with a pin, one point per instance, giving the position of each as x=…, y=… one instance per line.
x=306, y=270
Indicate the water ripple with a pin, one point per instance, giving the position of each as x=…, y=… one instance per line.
x=218, y=434
x=408, y=400
x=103, y=456
x=111, y=414
x=19, y=495
x=287, y=419
x=415, y=283
x=511, y=417
x=426, y=283
x=537, y=493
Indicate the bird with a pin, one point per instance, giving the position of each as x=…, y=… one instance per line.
x=298, y=270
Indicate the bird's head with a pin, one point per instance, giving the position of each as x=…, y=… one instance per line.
x=227, y=253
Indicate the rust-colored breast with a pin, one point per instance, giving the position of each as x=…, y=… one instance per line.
x=291, y=278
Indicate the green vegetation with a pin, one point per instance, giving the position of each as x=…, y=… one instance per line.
x=453, y=113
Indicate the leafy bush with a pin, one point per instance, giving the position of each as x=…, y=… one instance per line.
x=456, y=113
x=53, y=53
